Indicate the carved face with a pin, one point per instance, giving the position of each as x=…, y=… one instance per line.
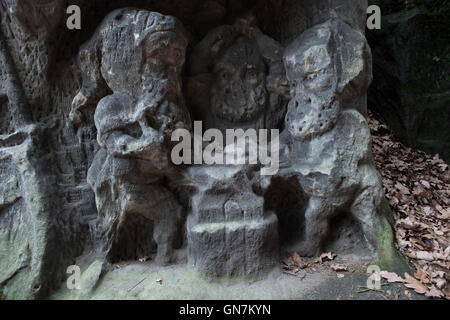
x=315, y=105
x=166, y=46
x=163, y=38
x=238, y=92
x=137, y=47
x=329, y=69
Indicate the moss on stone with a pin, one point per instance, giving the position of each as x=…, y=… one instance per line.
x=388, y=256
x=388, y=214
x=24, y=242
x=90, y=278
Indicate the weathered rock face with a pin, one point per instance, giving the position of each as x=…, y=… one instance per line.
x=237, y=81
x=328, y=142
x=24, y=207
x=411, y=90
x=138, y=55
x=327, y=76
x=86, y=136
x=41, y=219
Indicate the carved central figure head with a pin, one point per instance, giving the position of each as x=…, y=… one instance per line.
x=238, y=91
x=163, y=39
x=237, y=78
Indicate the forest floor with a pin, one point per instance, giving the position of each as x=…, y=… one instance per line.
x=144, y=280
x=417, y=186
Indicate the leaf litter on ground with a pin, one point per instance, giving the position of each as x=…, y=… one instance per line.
x=417, y=186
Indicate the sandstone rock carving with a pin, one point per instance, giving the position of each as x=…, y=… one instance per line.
x=24, y=210
x=329, y=143
x=108, y=184
x=237, y=80
x=138, y=55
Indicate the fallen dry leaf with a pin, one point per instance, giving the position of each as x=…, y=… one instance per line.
x=339, y=267
x=440, y=283
x=414, y=284
x=425, y=184
x=422, y=276
x=325, y=257
x=434, y=293
x=424, y=255
x=400, y=187
x=391, y=277
x=297, y=259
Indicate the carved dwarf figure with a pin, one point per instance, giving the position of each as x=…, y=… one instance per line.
x=328, y=139
x=138, y=55
x=237, y=81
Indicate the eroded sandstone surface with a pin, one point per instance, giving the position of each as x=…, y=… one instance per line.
x=87, y=118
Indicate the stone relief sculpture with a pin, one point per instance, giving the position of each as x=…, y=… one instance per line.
x=138, y=55
x=329, y=144
x=25, y=183
x=306, y=76
x=237, y=80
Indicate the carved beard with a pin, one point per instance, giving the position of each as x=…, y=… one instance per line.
x=238, y=102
